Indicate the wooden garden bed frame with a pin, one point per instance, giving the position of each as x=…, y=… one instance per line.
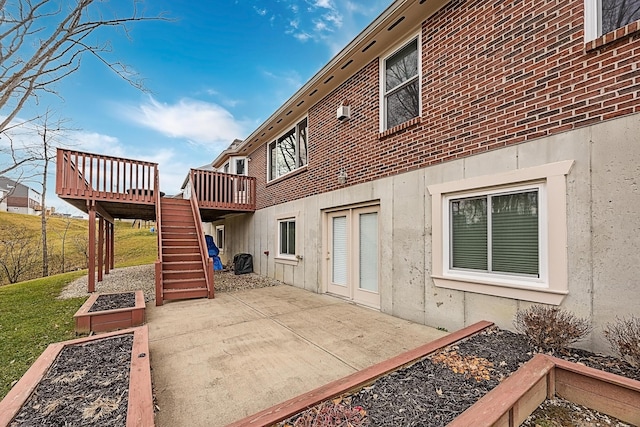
x=506, y=405
x=140, y=399
x=109, y=320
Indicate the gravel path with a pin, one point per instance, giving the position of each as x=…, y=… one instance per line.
x=143, y=277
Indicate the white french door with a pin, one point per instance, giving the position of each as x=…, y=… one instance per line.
x=353, y=256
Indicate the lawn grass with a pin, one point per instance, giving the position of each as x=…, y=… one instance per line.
x=31, y=318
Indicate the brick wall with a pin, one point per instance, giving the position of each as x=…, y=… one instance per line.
x=493, y=74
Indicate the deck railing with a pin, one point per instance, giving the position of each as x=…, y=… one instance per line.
x=105, y=178
x=207, y=262
x=216, y=190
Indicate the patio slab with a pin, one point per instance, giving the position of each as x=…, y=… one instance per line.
x=217, y=361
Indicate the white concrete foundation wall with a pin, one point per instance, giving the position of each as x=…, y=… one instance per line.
x=603, y=221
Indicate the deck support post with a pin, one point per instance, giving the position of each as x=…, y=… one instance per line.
x=91, y=282
x=100, y=248
x=107, y=247
x=112, y=245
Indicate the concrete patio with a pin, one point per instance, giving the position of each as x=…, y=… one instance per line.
x=216, y=361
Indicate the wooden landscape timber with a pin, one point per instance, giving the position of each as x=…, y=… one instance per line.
x=140, y=397
x=109, y=320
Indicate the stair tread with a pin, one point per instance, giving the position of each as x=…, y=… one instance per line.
x=194, y=279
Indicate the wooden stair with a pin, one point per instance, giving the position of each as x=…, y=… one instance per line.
x=182, y=266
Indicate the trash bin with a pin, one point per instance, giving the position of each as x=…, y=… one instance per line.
x=242, y=264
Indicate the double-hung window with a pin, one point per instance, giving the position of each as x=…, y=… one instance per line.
x=605, y=16
x=496, y=233
x=401, y=86
x=287, y=238
x=289, y=151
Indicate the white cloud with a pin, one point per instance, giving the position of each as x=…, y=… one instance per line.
x=196, y=121
x=322, y=21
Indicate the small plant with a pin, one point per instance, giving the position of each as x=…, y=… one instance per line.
x=330, y=414
x=551, y=328
x=624, y=338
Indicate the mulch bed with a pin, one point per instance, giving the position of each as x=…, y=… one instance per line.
x=438, y=388
x=87, y=385
x=114, y=301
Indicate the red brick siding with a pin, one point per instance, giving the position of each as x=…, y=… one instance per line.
x=494, y=74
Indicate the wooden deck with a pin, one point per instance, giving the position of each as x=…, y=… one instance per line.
x=109, y=188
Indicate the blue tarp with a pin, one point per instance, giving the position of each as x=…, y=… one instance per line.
x=213, y=252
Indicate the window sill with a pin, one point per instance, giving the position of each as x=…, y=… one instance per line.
x=401, y=127
x=286, y=261
x=526, y=293
x=613, y=36
x=289, y=175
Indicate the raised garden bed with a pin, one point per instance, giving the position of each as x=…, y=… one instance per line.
x=110, y=312
x=103, y=380
x=436, y=383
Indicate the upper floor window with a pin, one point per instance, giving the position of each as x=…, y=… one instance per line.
x=401, y=86
x=240, y=167
x=289, y=151
x=605, y=16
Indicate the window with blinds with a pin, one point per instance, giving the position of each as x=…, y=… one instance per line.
x=287, y=237
x=496, y=233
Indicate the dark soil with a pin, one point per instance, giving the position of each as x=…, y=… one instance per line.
x=563, y=413
x=438, y=388
x=114, y=301
x=87, y=385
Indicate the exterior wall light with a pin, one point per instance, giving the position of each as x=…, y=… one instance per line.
x=342, y=177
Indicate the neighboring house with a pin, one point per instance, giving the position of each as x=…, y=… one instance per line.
x=3, y=201
x=459, y=161
x=20, y=198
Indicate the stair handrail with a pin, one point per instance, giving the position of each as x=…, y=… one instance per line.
x=207, y=263
x=158, y=263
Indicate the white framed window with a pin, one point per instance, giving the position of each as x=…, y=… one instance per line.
x=400, y=85
x=503, y=234
x=497, y=234
x=605, y=16
x=287, y=238
x=220, y=237
x=288, y=152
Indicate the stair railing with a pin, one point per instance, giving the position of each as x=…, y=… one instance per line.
x=204, y=253
x=158, y=264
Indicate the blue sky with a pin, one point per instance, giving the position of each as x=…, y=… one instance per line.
x=214, y=73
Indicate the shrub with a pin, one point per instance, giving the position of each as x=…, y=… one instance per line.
x=624, y=337
x=330, y=414
x=551, y=328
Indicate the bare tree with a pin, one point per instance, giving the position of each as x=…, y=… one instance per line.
x=18, y=253
x=49, y=131
x=42, y=42
x=63, y=237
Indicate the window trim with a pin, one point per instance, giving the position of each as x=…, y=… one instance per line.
x=295, y=128
x=220, y=246
x=383, y=95
x=554, y=287
x=500, y=278
x=291, y=259
x=593, y=22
